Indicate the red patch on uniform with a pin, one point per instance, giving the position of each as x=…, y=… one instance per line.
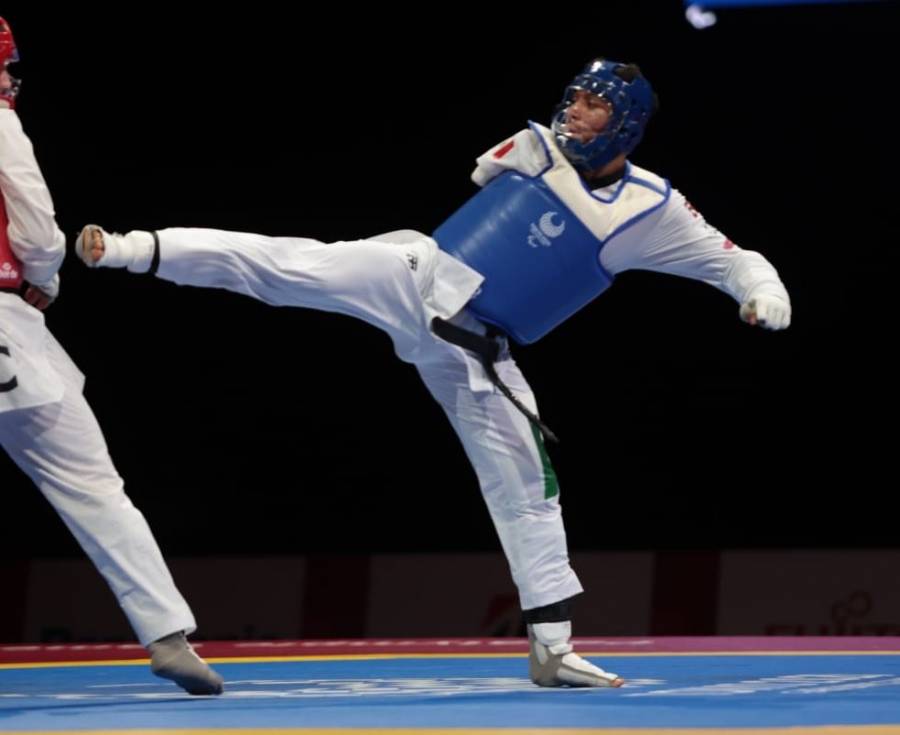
x=504, y=149
x=727, y=244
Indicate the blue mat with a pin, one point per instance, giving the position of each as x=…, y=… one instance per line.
x=662, y=691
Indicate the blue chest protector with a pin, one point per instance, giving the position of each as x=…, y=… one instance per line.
x=537, y=241
x=540, y=263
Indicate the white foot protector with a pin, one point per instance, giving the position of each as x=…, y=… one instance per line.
x=557, y=665
x=172, y=657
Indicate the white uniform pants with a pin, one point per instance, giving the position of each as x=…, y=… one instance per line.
x=374, y=280
x=61, y=448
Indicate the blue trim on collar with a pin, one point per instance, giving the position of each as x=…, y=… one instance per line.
x=620, y=186
x=637, y=218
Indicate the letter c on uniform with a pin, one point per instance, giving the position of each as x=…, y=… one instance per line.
x=12, y=382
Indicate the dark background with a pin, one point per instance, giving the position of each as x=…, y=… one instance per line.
x=240, y=428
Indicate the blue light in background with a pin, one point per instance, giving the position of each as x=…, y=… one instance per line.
x=700, y=15
x=761, y=3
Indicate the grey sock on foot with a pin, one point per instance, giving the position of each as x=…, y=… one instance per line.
x=172, y=657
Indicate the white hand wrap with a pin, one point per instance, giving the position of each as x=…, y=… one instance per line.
x=768, y=311
x=50, y=288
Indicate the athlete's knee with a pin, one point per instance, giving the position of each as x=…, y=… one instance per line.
x=90, y=491
x=372, y=271
x=512, y=502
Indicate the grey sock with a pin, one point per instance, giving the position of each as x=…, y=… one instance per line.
x=172, y=657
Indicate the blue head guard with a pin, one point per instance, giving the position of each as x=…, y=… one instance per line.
x=632, y=100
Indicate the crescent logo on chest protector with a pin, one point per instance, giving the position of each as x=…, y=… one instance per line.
x=537, y=240
x=545, y=230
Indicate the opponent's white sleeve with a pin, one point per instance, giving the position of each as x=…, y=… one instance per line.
x=684, y=244
x=524, y=152
x=33, y=233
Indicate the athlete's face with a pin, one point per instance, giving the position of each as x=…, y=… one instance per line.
x=6, y=89
x=587, y=115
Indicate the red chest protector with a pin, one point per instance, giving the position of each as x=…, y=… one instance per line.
x=10, y=267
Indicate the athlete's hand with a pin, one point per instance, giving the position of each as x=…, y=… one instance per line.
x=768, y=312
x=40, y=297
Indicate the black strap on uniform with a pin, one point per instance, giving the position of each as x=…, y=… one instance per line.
x=557, y=612
x=154, y=263
x=20, y=290
x=488, y=349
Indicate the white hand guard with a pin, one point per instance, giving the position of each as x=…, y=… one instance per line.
x=769, y=312
x=133, y=250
